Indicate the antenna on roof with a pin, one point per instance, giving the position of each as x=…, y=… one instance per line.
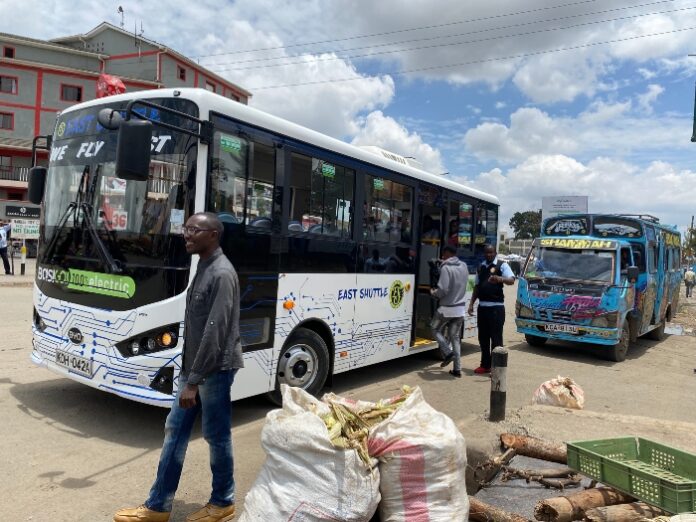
x=141, y=29
x=120, y=11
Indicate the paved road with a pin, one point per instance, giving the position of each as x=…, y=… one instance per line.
x=71, y=453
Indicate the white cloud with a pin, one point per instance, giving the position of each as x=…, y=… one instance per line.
x=500, y=105
x=612, y=186
x=531, y=131
x=646, y=99
x=603, y=129
x=387, y=133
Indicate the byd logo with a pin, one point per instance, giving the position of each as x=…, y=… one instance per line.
x=75, y=336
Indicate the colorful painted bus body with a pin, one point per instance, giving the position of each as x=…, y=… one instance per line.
x=600, y=279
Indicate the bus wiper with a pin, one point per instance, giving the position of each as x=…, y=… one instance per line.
x=104, y=253
x=69, y=210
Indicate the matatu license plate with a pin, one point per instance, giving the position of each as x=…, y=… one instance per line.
x=564, y=328
x=74, y=363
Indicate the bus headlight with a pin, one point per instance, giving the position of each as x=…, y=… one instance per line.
x=149, y=342
x=523, y=311
x=606, y=320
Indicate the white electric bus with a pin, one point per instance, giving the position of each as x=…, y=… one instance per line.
x=331, y=243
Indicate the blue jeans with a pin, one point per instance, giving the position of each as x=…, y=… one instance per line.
x=214, y=402
x=448, y=333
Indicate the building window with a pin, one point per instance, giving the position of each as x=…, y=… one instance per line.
x=8, y=52
x=210, y=86
x=14, y=196
x=71, y=93
x=8, y=84
x=6, y=120
x=181, y=73
x=233, y=96
x=5, y=165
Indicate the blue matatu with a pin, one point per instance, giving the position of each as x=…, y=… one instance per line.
x=601, y=279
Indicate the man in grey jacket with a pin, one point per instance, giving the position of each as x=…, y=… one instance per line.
x=212, y=354
x=449, y=317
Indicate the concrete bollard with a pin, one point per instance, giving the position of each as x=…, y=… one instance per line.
x=498, y=384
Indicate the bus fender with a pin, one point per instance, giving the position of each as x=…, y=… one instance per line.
x=324, y=331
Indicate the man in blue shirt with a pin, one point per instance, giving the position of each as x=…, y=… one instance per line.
x=4, y=232
x=491, y=275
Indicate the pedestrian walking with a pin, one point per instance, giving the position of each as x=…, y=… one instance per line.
x=4, y=233
x=689, y=281
x=212, y=354
x=491, y=275
x=448, y=319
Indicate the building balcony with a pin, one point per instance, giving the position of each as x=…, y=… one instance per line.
x=14, y=174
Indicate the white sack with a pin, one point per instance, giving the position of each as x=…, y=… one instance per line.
x=304, y=477
x=561, y=391
x=422, y=458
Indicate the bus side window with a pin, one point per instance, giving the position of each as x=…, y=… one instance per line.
x=388, y=211
x=227, y=177
x=321, y=197
x=652, y=259
x=241, y=181
x=625, y=259
x=638, y=257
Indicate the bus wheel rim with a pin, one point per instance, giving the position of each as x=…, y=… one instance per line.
x=297, y=366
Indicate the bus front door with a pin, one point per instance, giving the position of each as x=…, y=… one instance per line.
x=429, y=253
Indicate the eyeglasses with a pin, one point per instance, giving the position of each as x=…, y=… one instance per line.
x=192, y=231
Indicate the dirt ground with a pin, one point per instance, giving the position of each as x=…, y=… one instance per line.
x=72, y=453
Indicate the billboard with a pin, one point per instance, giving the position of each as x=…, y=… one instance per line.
x=555, y=205
x=25, y=228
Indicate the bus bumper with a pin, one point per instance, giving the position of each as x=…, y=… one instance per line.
x=102, y=367
x=583, y=334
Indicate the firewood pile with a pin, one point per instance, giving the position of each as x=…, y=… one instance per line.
x=594, y=503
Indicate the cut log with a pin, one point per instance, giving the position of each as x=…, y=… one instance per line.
x=535, y=448
x=634, y=512
x=482, y=512
x=573, y=507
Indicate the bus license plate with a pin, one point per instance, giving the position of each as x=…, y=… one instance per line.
x=564, y=328
x=74, y=363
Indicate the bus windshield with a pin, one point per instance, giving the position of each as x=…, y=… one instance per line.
x=96, y=223
x=566, y=264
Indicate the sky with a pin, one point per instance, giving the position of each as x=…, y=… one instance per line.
x=521, y=99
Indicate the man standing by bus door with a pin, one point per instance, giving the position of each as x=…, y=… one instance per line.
x=211, y=356
x=449, y=317
x=490, y=277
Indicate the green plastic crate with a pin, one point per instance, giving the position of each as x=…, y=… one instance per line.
x=657, y=474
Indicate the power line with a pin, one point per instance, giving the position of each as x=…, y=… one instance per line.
x=473, y=62
x=500, y=28
x=472, y=20
x=466, y=42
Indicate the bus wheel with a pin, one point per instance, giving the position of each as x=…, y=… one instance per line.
x=535, y=340
x=617, y=353
x=303, y=363
x=658, y=334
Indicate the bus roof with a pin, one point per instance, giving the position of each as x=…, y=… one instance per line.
x=208, y=101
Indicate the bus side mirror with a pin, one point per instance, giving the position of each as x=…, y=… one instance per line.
x=37, y=181
x=133, y=150
x=632, y=273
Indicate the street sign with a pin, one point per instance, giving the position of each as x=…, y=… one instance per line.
x=25, y=228
x=23, y=212
x=556, y=205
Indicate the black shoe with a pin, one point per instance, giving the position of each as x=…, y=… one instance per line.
x=455, y=374
x=448, y=359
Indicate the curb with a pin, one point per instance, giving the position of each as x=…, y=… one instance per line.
x=16, y=283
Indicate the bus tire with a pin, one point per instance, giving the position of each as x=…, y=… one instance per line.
x=658, y=334
x=535, y=340
x=303, y=363
x=617, y=353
